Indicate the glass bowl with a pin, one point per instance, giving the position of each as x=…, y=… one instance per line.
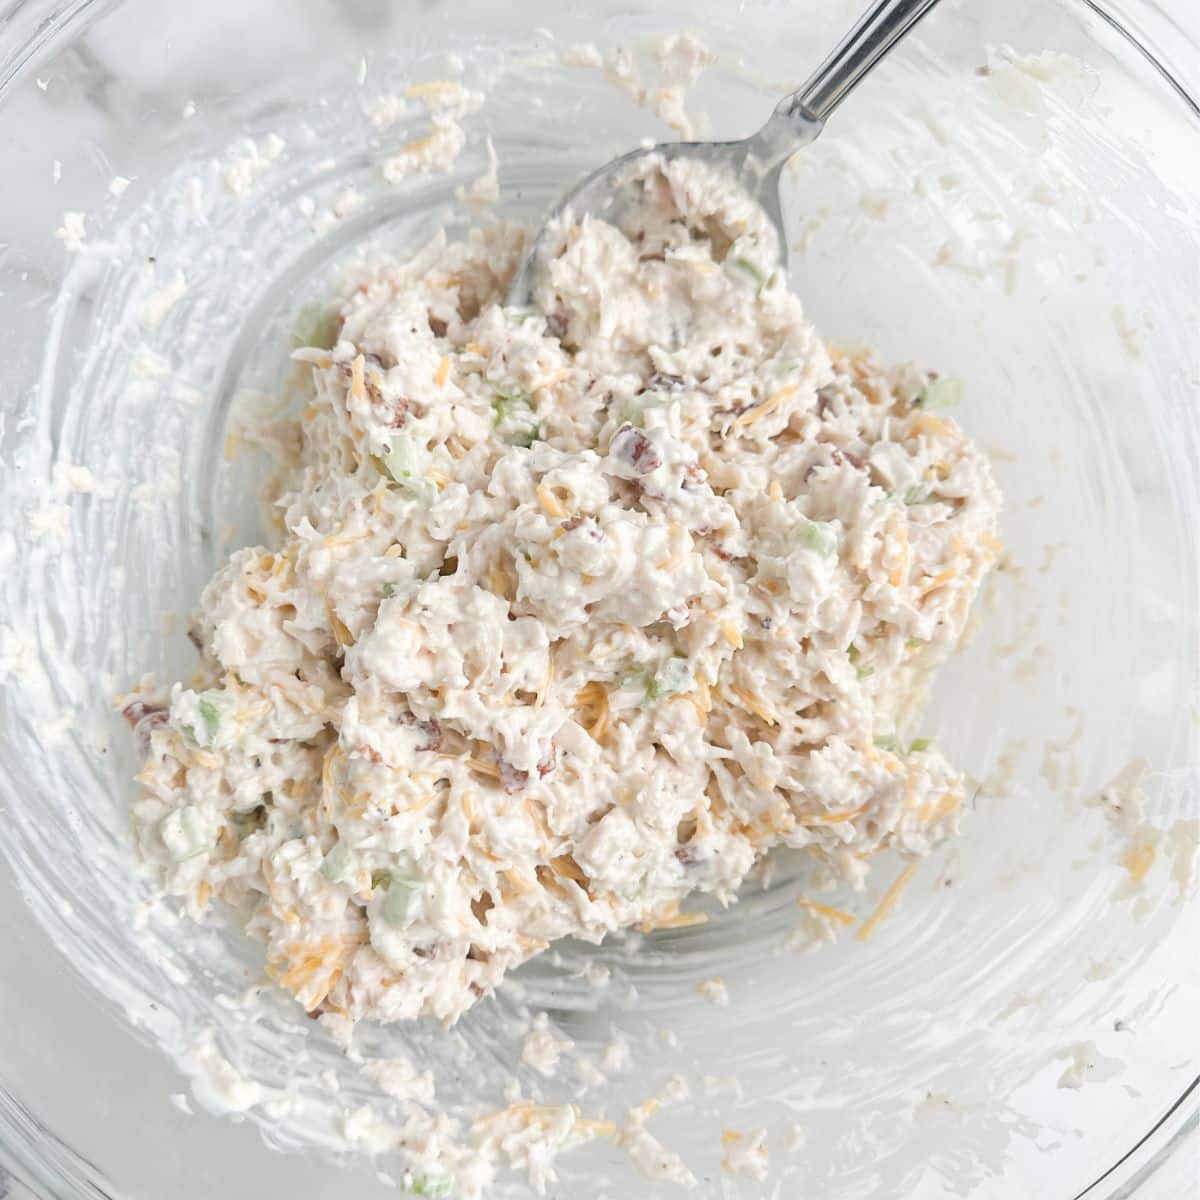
x=1013, y=198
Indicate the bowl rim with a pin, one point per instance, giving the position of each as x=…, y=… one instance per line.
x=32, y=1155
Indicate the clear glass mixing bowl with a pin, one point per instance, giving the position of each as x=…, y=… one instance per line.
x=1024, y=1023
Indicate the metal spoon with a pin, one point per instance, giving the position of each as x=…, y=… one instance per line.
x=757, y=160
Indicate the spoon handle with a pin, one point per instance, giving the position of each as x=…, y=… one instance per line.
x=877, y=31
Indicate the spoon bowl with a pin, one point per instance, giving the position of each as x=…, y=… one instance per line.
x=756, y=161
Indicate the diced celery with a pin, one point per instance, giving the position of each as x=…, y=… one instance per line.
x=402, y=902
x=940, y=393
x=864, y=673
x=920, y=744
x=422, y=1184
x=316, y=326
x=852, y=653
x=672, y=677
x=820, y=537
x=388, y=590
x=749, y=272
x=186, y=833
x=212, y=707
x=886, y=741
x=212, y=718
x=515, y=420
x=919, y=493
x=336, y=862
x=406, y=462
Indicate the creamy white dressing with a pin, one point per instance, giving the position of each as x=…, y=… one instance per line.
x=576, y=611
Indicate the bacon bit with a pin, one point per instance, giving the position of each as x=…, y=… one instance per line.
x=397, y=412
x=437, y=327
x=512, y=779
x=885, y=906
x=144, y=719
x=840, y=457
x=834, y=914
x=550, y=502
x=556, y=325
x=548, y=761
x=432, y=729
x=138, y=711
x=718, y=548
x=634, y=447
x=661, y=381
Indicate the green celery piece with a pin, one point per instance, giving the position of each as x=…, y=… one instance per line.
x=315, y=327
x=673, y=677
x=945, y=392
x=746, y=266
x=430, y=1185
x=820, y=537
